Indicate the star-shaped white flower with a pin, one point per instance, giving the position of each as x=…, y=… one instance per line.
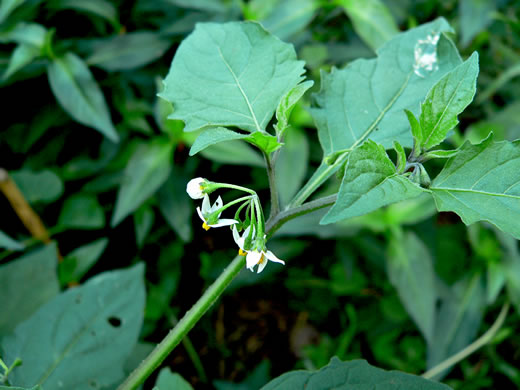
x=207, y=210
x=259, y=256
x=195, y=188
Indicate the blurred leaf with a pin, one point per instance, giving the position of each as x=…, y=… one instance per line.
x=482, y=183
x=86, y=333
x=169, y=381
x=77, y=263
x=79, y=95
x=36, y=270
x=234, y=152
x=204, y=5
x=256, y=379
x=291, y=164
x=457, y=320
x=511, y=265
x=352, y=375
x=247, y=69
x=8, y=6
x=474, y=17
x=370, y=182
x=102, y=8
x=43, y=186
x=361, y=101
x=503, y=79
x=372, y=21
x=23, y=55
x=289, y=17
x=8, y=243
x=410, y=270
x=146, y=171
x=175, y=205
x=81, y=211
x=143, y=222
x=128, y=51
x=25, y=33
x=505, y=125
x=445, y=101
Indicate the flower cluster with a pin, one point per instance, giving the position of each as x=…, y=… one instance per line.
x=252, y=241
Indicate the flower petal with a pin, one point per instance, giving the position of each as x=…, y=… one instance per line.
x=218, y=204
x=200, y=214
x=206, y=207
x=224, y=222
x=271, y=256
x=252, y=258
x=194, y=188
x=261, y=266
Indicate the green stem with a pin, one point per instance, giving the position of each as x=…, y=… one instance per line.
x=192, y=316
x=275, y=202
x=480, y=342
x=232, y=203
x=234, y=187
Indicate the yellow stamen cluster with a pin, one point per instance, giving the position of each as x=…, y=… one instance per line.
x=205, y=226
x=262, y=259
x=241, y=252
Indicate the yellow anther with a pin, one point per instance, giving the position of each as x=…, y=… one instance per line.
x=262, y=259
x=205, y=226
x=241, y=252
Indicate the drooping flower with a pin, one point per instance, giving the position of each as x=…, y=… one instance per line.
x=257, y=254
x=208, y=216
x=195, y=188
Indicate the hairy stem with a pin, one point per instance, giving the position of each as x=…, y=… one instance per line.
x=480, y=342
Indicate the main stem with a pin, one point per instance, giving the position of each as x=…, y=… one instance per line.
x=192, y=316
x=275, y=202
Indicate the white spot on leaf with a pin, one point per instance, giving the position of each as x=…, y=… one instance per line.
x=425, y=53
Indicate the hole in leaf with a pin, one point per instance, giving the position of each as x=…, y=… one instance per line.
x=114, y=321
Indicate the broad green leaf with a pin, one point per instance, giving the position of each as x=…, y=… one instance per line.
x=103, y=8
x=482, y=183
x=352, y=375
x=25, y=33
x=27, y=283
x=410, y=270
x=362, y=100
x=86, y=334
x=474, y=17
x=77, y=263
x=146, y=171
x=291, y=164
x=128, y=51
x=23, y=55
x=213, y=136
x=143, y=222
x=457, y=320
x=266, y=142
x=174, y=204
x=168, y=380
x=289, y=17
x=78, y=93
x=247, y=70
x=286, y=105
x=372, y=21
x=447, y=99
x=43, y=186
x=81, y=211
x=370, y=182
x=8, y=243
x=234, y=152
x=8, y=6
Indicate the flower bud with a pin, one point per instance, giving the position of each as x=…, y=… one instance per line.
x=195, y=188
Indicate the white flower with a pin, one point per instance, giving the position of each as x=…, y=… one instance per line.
x=256, y=256
x=195, y=188
x=207, y=210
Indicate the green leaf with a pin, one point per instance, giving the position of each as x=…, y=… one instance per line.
x=20, y=388
x=474, y=17
x=23, y=55
x=36, y=187
x=36, y=270
x=203, y=5
x=415, y=126
x=77, y=263
x=174, y=204
x=511, y=267
x=78, y=93
x=258, y=377
x=372, y=21
x=7, y=7
x=439, y=154
x=234, y=152
x=168, y=380
x=86, y=332
x=482, y=183
x=25, y=33
x=143, y=222
x=81, y=211
x=361, y=101
x=289, y=17
x=213, y=136
x=128, y=51
x=457, y=320
x=447, y=99
x=410, y=270
x=401, y=157
x=102, y=8
x=266, y=142
x=247, y=70
x=8, y=243
x=352, y=375
x=286, y=105
x=370, y=182
x=146, y=171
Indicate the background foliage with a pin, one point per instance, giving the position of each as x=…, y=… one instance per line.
x=86, y=140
